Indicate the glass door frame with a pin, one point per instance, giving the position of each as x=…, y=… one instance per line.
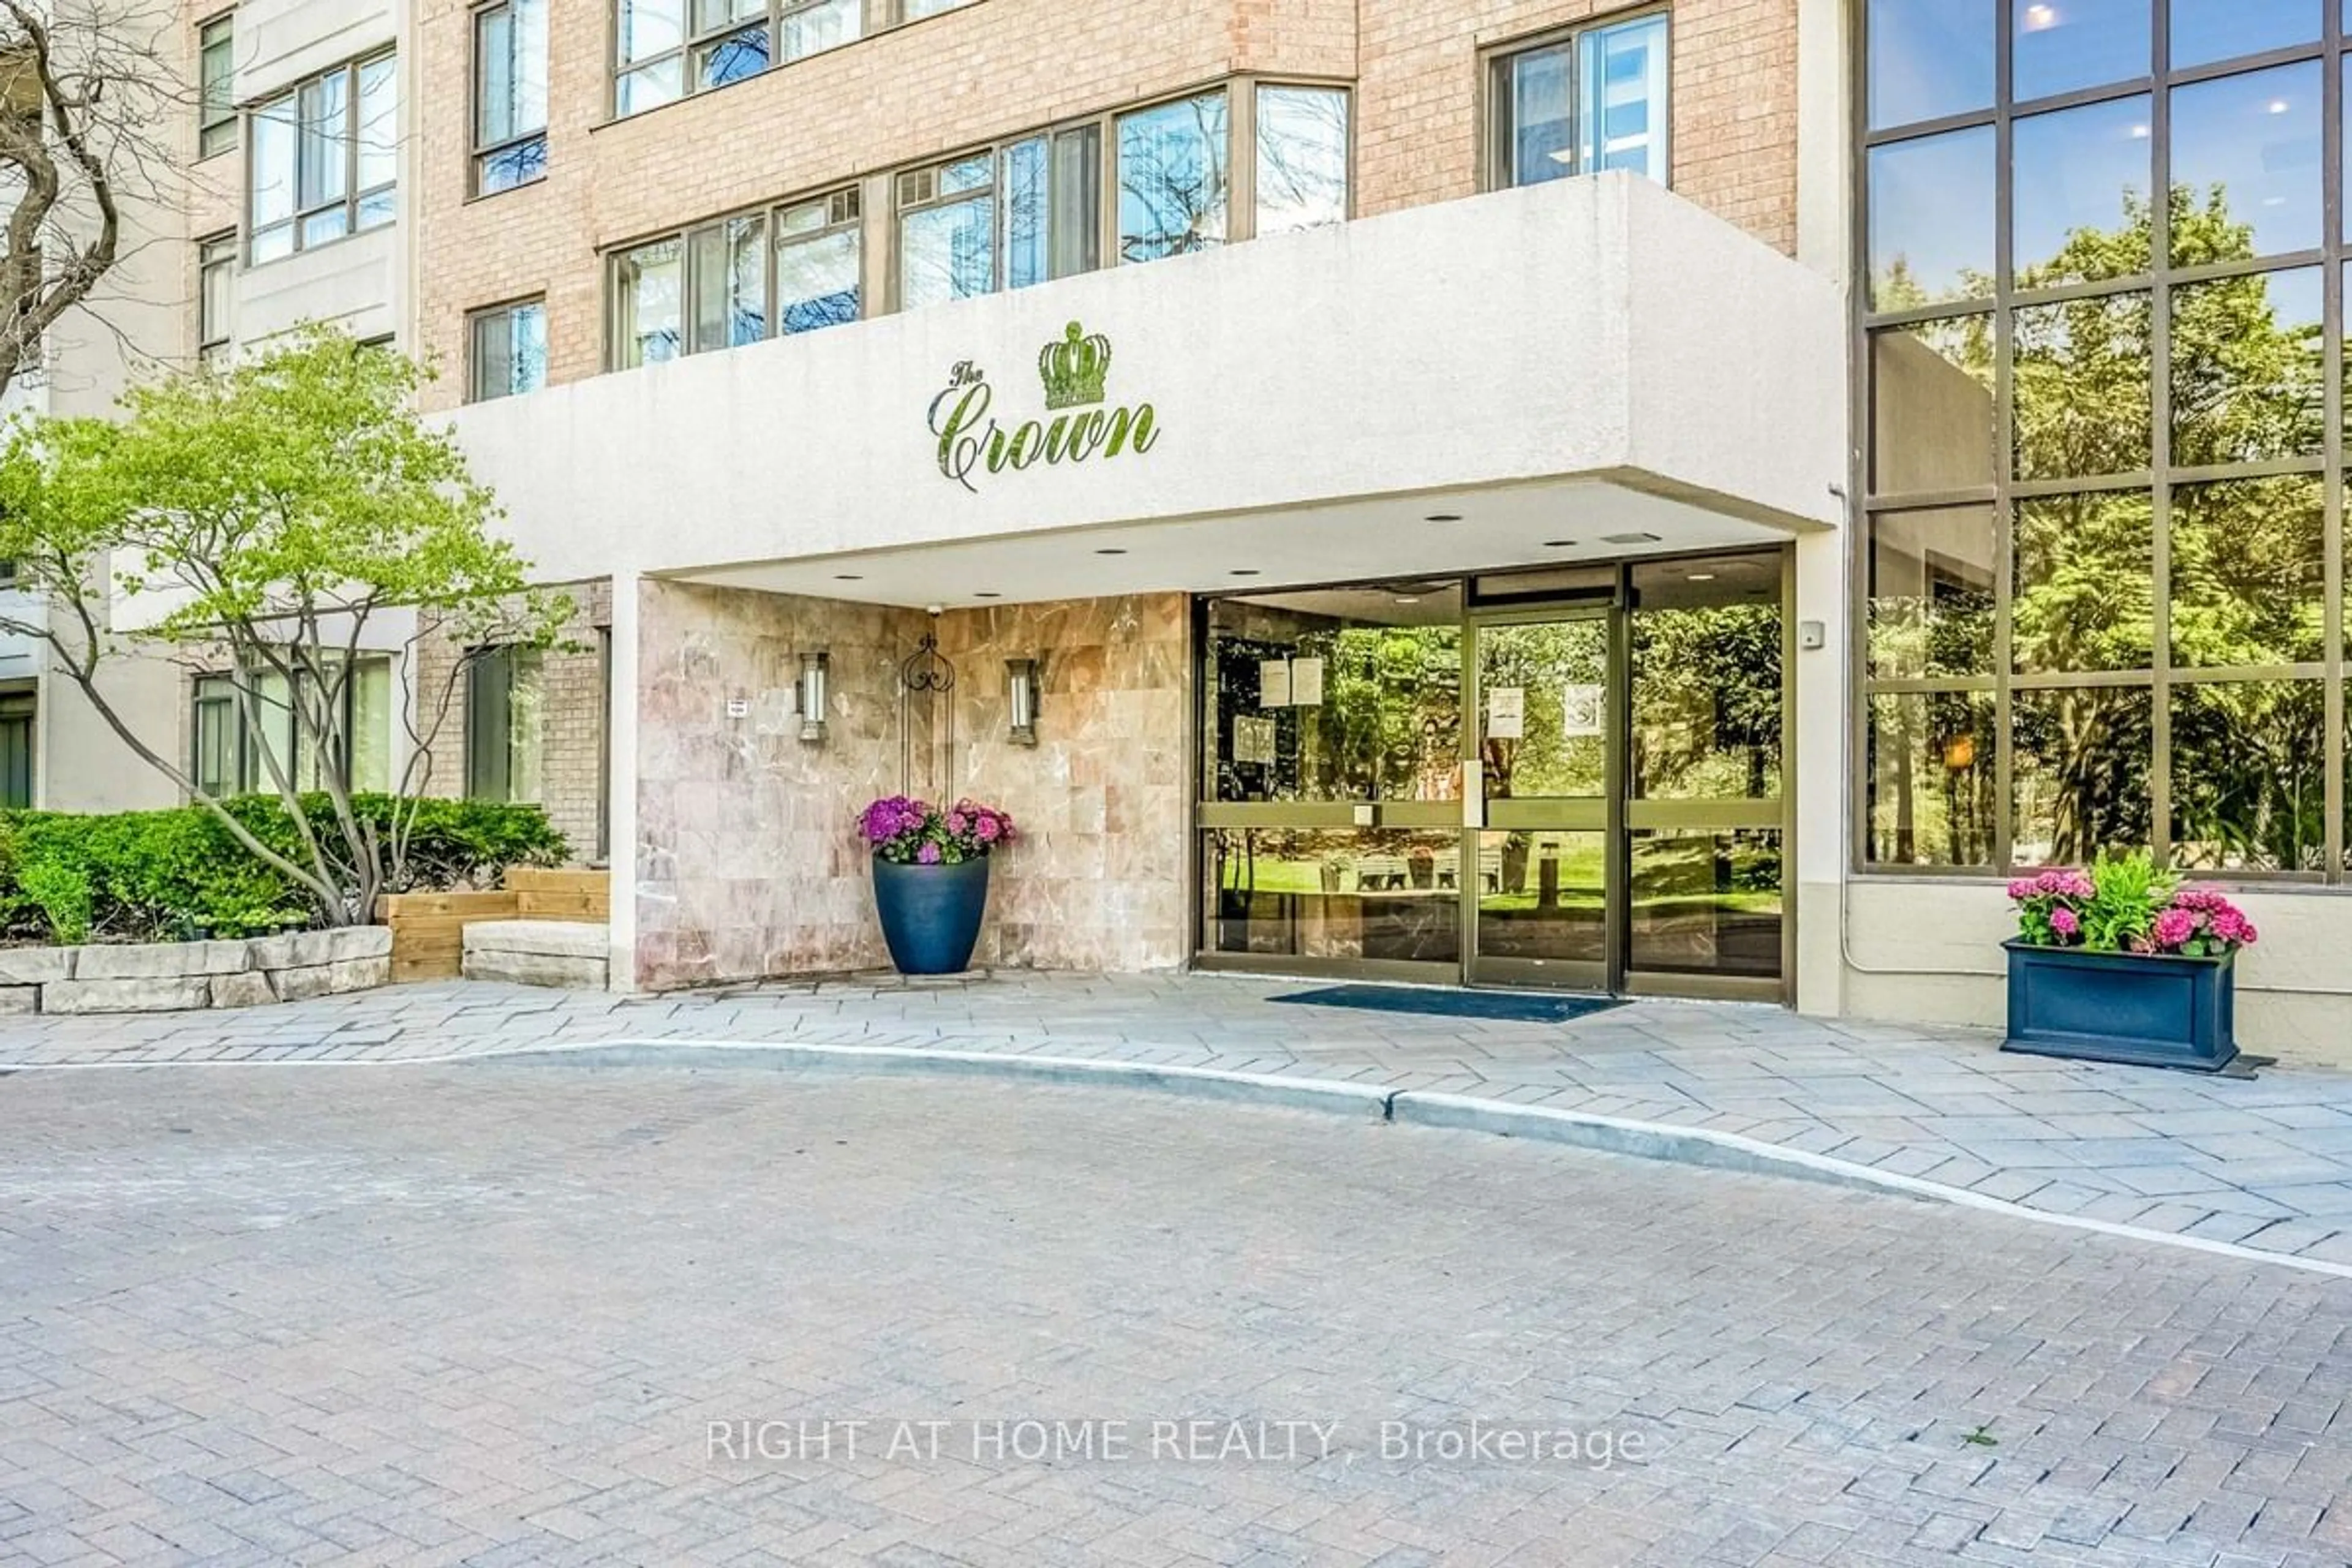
x=1622, y=816
x=1602, y=813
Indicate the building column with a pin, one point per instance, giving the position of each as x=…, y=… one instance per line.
x=621, y=782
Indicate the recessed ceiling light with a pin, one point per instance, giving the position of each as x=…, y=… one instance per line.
x=2139, y=133
x=1558, y=543
x=849, y=578
x=1110, y=549
x=1244, y=572
x=2278, y=106
x=1443, y=517
x=1629, y=539
x=1702, y=577
x=1408, y=598
x=2038, y=18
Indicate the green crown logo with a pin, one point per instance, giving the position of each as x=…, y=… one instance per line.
x=1073, y=368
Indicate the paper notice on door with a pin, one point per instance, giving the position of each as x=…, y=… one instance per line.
x=1307, y=682
x=1580, y=709
x=1507, y=712
x=1253, y=740
x=1274, y=683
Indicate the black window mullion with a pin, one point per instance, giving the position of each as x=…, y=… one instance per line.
x=2334, y=784
x=2160, y=776
x=2004, y=512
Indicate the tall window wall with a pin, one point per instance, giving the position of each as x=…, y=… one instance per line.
x=2103, y=248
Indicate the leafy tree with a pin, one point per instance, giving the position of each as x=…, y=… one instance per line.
x=274, y=511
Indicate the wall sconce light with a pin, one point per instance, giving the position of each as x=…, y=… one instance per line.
x=1021, y=704
x=813, y=696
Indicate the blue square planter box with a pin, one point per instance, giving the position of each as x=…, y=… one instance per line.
x=2152, y=1010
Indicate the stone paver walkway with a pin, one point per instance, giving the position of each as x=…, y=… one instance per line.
x=2266, y=1164
x=497, y=1315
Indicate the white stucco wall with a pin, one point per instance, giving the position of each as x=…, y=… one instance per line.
x=279, y=42
x=1589, y=326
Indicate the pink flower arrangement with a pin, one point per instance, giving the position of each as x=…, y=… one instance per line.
x=2124, y=904
x=2201, y=923
x=910, y=832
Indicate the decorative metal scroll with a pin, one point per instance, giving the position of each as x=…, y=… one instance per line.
x=927, y=671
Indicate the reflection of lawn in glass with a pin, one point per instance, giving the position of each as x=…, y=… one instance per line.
x=1580, y=878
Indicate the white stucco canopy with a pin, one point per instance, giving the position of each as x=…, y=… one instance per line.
x=1595, y=360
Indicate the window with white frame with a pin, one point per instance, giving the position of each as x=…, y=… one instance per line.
x=509, y=350
x=325, y=159
x=216, y=91
x=668, y=50
x=737, y=279
x=215, y=284
x=1582, y=102
x=510, y=95
x=1000, y=217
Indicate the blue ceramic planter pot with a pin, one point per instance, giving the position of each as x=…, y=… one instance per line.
x=2150, y=1010
x=930, y=914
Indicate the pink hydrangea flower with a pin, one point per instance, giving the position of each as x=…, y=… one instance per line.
x=2065, y=921
x=2174, y=927
x=928, y=855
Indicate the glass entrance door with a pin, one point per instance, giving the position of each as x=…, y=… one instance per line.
x=1568, y=779
x=1538, y=909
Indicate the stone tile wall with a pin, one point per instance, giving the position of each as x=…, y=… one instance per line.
x=1098, y=880
x=749, y=865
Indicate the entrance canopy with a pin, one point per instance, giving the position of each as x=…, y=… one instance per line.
x=1458, y=386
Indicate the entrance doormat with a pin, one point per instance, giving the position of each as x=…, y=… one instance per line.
x=1513, y=1006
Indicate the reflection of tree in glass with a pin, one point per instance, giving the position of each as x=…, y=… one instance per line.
x=2246, y=384
x=1302, y=158
x=2084, y=583
x=1393, y=705
x=1172, y=179
x=1706, y=701
x=2081, y=770
x=1542, y=661
x=1932, y=778
x=2248, y=785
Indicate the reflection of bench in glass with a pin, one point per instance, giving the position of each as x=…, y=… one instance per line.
x=1376, y=873
x=1490, y=869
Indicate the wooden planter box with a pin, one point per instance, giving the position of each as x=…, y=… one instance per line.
x=428, y=929
x=2150, y=1010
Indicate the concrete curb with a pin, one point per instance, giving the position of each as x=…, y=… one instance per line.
x=1366, y=1101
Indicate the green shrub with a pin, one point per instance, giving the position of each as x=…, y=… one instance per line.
x=176, y=875
x=60, y=890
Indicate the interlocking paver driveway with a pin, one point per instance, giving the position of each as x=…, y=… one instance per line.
x=489, y=1313
x=2266, y=1164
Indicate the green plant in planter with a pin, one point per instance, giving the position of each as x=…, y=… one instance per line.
x=2127, y=892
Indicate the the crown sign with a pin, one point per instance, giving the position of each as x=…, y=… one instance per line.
x=1073, y=369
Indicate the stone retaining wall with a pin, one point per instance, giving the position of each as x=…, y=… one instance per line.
x=169, y=976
